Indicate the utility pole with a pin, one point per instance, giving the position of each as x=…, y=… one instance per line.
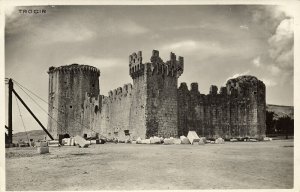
x=10, y=91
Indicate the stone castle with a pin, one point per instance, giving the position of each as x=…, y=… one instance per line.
x=153, y=105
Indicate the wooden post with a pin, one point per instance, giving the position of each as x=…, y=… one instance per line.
x=10, y=89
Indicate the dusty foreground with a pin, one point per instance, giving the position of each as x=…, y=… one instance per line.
x=131, y=166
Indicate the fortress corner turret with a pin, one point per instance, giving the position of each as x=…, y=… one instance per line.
x=68, y=87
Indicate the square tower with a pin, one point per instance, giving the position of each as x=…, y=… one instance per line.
x=154, y=108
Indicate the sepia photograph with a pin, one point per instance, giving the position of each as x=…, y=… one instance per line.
x=149, y=96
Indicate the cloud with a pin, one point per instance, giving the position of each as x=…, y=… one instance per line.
x=130, y=28
x=256, y=61
x=100, y=63
x=121, y=27
x=269, y=82
x=282, y=46
x=268, y=16
x=238, y=74
x=187, y=45
x=274, y=70
x=65, y=33
x=191, y=48
x=288, y=10
x=244, y=27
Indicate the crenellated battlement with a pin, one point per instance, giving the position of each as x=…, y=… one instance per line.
x=120, y=92
x=90, y=99
x=172, y=67
x=194, y=87
x=74, y=68
x=242, y=86
x=213, y=90
x=136, y=67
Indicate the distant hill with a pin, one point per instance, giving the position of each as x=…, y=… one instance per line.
x=34, y=134
x=281, y=110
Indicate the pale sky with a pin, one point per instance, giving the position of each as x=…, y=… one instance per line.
x=217, y=43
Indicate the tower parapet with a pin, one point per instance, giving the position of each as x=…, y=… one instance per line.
x=175, y=66
x=172, y=67
x=136, y=66
x=74, y=68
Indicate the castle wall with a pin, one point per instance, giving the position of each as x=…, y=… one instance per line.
x=153, y=105
x=104, y=128
x=119, y=111
x=237, y=111
x=90, y=115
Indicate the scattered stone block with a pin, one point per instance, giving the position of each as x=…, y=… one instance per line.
x=184, y=140
x=168, y=141
x=53, y=143
x=66, y=141
x=43, y=150
x=95, y=141
x=41, y=144
x=219, y=141
x=81, y=142
x=146, y=141
x=233, y=140
x=72, y=141
x=201, y=142
x=139, y=141
x=203, y=139
x=253, y=140
x=155, y=140
x=161, y=139
x=133, y=142
x=177, y=141
x=267, y=139
x=193, y=137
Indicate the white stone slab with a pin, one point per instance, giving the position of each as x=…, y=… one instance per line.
x=193, y=137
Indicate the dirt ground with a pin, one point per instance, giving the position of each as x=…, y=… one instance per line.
x=110, y=166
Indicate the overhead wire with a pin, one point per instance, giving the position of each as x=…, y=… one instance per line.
x=22, y=120
x=61, y=111
x=41, y=107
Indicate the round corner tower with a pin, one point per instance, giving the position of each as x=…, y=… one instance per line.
x=69, y=85
x=248, y=106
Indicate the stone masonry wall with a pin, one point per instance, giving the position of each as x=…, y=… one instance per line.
x=137, y=121
x=119, y=111
x=161, y=105
x=153, y=105
x=68, y=86
x=238, y=110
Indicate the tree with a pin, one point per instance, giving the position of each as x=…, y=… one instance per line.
x=270, y=123
x=285, y=125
